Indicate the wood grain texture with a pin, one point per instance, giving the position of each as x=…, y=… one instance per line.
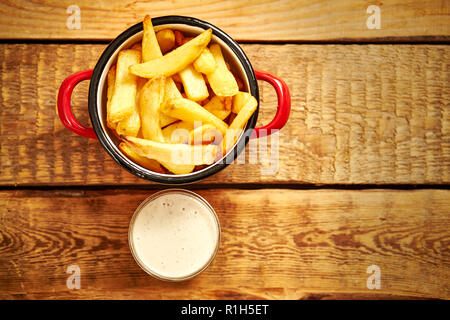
x=376, y=114
x=256, y=20
x=276, y=244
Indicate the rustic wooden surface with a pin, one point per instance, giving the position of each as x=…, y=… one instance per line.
x=381, y=115
x=370, y=124
x=275, y=244
x=291, y=20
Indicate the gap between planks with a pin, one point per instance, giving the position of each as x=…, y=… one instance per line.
x=237, y=186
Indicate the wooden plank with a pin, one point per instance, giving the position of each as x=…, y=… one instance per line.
x=292, y=20
x=278, y=244
x=376, y=114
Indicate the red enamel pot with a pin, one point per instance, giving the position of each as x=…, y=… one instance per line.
x=97, y=97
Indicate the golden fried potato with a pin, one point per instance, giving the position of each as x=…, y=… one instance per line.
x=221, y=80
x=239, y=101
x=166, y=40
x=204, y=134
x=245, y=113
x=171, y=92
x=150, y=46
x=217, y=108
x=205, y=63
x=130, y=126
x=180, y=154
x=227, y=102
x=188, y=110
x=238, y=124
x=152, y=164
x=150, y=51
x=123, y=101
x=178, y=168
x=150, y=101
x=147, y=163
x=194, y=84
x=178, y=132
x=174, y=61
x=179, y=38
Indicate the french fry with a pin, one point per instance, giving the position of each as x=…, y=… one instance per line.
x=221, y=79
x=174, y=61
x=239, y=101
x=166, y=40
x=141, y=83
x=245, y=113
x=150, y=51
x=150, y=46
x=150, y=101
x=181, y=131
x=165, y=120
x=171, y=92
x=152, y=164
x=179, y=38
x=188, y=110
x=217, y=108
x=129, y=126
x=204, y=134
x=194, y=84
x=178, y=132
x=228, y=102
x=182, y=154
x=147, y=163
x=238, y=124
x=152, y=97
x=205, y=63
x=123, y=101
x=178, y=168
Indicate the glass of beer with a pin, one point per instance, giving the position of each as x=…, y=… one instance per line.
x=174, y=235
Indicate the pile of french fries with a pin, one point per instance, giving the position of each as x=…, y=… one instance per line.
x=174, y=102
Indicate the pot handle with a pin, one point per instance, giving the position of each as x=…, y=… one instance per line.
x=65, y=109
x=283, y=109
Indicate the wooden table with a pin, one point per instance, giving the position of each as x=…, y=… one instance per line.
x=363, y=171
